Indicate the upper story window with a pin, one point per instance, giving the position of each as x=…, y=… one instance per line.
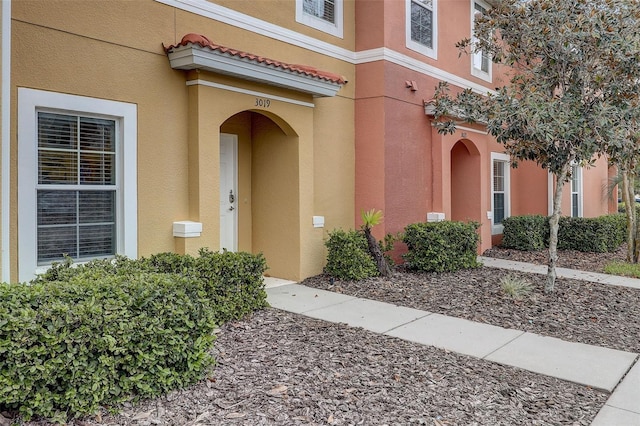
x=76, y=179
x=422, y=26
x=480, y=62
x=323, y=15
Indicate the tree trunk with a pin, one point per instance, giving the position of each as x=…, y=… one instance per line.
x=376, y=253
x=630, y=209
x=553, y=229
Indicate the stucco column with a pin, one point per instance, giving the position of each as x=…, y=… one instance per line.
x=204, y=174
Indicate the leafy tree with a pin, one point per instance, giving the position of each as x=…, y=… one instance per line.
x=570, y=92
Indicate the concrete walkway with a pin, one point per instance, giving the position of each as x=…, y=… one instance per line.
x=602, y=368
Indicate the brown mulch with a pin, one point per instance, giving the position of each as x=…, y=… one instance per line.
x=278, y=368
x=578, y=311
x=592, y=262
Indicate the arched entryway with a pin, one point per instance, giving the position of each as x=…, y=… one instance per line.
x=266, y=198
x=465, y=182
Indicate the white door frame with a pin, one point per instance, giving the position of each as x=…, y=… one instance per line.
x=229, y=200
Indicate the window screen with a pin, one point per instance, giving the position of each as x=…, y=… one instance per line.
x=76, y=191
x=422, y=22
x=323, y=9
x=498, y=191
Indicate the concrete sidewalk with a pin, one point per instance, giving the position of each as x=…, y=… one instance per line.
x=561, y=272
x=594, y=366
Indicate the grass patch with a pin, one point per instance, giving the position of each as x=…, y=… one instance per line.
x=624, y=269
x=515, y=287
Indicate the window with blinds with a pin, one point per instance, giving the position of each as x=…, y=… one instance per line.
x=76, y=187
x=498, y=191
x=575, y=190
x=422, y=22
x=323, y=9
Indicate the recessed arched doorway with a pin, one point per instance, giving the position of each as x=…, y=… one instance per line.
x=265, y=200
x=465, y=182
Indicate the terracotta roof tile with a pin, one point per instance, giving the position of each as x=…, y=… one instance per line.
x=203, y=41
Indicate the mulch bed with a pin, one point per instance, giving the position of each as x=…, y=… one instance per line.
x=592, y=262
x=577, y=311
x=278, y=368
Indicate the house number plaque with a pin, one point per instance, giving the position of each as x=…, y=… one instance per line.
x=262, y=102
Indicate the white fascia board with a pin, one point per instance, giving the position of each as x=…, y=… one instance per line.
x=384, y=54
x=197, y=57
x=258, y=26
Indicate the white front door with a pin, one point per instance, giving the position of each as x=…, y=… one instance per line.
x=228, y=192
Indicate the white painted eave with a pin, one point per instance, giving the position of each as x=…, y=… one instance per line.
x=193, y=56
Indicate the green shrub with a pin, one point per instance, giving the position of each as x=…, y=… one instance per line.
x=233, y=281
x=67, y=347
x=598, y=234
x=108, y=331
x=526, y=233
x=348, y=257
x=441, y=246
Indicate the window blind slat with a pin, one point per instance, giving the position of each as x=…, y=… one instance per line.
x=56, y=207
x=97, y=134
x=97, y=169
x=79, y=222
x=97, y=206
x=57, y=131
x=54, y=243
x=56, y=167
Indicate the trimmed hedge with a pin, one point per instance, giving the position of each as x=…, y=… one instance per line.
x=600, y=234
x=233, y=281
x=445, y=246
x=105, y=332
x=525, y=233
x=348, y=257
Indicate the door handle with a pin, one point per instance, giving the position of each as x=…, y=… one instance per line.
x=232, y=197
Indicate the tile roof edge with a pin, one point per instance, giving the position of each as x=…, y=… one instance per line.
x=204, y=42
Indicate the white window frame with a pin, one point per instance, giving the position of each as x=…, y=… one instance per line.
x=30, y=101
x=335, y=29
x=498, y=156
x=431, y=52
x=475, y=71
x=577, y=170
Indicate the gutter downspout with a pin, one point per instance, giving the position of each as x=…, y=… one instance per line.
x=6, y=139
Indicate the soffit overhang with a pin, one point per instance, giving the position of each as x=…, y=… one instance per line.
x=197, y=52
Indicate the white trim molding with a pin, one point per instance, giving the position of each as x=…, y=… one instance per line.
x=5, y=224
x=248, y=92
x=385, y=54
x=258, y=26
x=475, y=71
x=193, y=56
x=267, y=29
x=430, y=51
x=504, y=158
x=125, y=114
x=578, y=170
